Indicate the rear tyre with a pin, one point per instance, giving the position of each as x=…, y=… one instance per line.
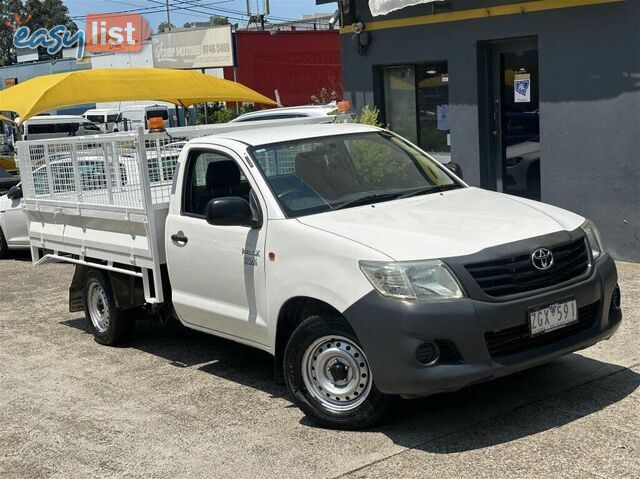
x=3, y=245
x=328, y=375
x=108, y=325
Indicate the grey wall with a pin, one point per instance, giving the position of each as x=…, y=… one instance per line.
x=589, y=63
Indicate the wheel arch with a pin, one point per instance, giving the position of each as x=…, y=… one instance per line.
x=291, y=314
x=127, y=290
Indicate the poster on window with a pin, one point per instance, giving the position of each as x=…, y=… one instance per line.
x=522, y=88
x=443, y=117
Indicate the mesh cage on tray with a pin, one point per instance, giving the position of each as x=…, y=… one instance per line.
x=89, y=170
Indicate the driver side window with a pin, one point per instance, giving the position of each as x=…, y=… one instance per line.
x=211, y=175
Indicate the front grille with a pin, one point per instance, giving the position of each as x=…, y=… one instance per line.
x=516, y=274
x=518, y=339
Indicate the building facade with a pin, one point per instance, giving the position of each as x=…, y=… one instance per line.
x=298, y=64
x=537, y=98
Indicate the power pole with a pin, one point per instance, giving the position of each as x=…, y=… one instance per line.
x=168, y=15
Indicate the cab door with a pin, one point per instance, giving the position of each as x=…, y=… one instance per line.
x=216, y=272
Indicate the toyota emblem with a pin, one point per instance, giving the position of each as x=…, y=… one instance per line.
x=542, y=259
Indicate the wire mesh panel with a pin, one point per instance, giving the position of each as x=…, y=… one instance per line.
x=101, y=170
x=118, y=169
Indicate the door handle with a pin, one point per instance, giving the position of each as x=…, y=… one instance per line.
x=179, y=238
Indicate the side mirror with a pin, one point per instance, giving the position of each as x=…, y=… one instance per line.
x=229, y=211
x=15, y=192
x=455, y=168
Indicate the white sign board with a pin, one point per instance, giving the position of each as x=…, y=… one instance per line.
x=194, y=49
x=27, y=55
x=522, y=88
x=382, y=7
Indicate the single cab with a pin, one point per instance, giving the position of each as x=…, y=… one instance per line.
x=366, y=268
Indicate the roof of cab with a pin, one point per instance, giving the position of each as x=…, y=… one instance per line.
x=101, y=111
x=279, y=134
x=306, y=110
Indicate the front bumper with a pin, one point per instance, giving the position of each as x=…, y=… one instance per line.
x=391, y=331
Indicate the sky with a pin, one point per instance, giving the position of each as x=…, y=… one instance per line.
x=183, y=11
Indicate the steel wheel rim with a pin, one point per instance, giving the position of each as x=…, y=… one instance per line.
x=98, y=307
x=336, y=373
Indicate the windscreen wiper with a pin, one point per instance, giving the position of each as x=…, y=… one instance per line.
x=367, y=200
x=430, y=189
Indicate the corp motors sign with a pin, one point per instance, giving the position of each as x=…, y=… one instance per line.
x=194, y=49
x=105, y=33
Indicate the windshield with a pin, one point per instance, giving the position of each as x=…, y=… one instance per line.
x=91, y=127
x=328, y=173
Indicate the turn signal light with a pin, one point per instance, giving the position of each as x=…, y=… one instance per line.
x=344, y=106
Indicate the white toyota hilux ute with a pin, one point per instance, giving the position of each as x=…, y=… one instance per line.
x=366, y=268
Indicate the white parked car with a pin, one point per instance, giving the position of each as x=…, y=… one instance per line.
x=13, y=222
x=135, y=116
x=107, y=119
x=287, y=113
x=364, y=267
x=58, y=126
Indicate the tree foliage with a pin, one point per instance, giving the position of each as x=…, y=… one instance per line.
x=324, y=97
x=41, y=14
x=370, y=115
x=219, y=113
x=214, y=21
x=165, y=26
x=217, y=21
x=378, y=161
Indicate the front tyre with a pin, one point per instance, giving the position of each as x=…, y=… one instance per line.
x=328, y=375
x=108, y=325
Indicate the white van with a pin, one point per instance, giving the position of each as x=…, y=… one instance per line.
x=135, y=116
x=58, y=126
x=108, y=120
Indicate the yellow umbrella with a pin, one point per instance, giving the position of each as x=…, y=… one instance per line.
x=180, y=87
x=5, y=119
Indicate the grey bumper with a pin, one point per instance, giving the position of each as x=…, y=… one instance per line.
x=391, y=331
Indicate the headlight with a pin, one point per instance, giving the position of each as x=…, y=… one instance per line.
x=593, y=236
x=426, y=280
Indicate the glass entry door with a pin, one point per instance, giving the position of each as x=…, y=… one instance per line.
x=515, y=117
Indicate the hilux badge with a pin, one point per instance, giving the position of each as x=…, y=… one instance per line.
x=542, y=259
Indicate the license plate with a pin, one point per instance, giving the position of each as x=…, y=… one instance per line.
x=552, y=317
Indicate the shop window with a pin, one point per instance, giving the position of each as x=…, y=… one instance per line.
x=400, y=101
x=433, y=107
x=416, y=105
